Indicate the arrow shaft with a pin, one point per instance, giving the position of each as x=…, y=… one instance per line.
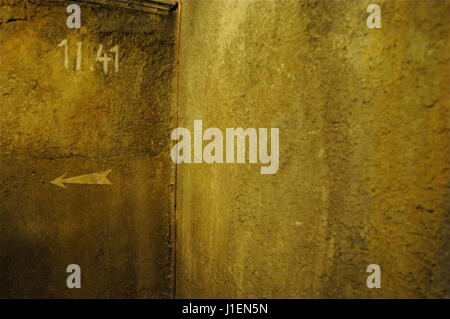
x=94, y=178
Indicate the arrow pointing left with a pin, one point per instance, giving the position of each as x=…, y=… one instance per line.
x=99, y=178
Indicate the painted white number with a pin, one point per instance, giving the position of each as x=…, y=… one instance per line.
x=116, y=59
x=104, y=59
x=101, y=57
x=63, y=43
x=78, y=65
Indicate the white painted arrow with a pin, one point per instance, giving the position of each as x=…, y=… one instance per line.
x=99, y=178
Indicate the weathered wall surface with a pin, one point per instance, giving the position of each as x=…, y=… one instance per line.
x=364, y=143
x=364, y=151
x=55, y=120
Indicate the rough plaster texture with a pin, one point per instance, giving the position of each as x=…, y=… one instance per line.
x=55, y=120
x=364, y=141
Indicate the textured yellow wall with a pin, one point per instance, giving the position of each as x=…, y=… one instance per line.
x=364, y=149
x=55, y=120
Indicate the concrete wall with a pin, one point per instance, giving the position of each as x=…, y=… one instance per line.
x=364, y=151
x=364, y=143
x=54, y=121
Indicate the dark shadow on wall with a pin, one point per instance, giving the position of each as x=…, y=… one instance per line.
x=24, y=262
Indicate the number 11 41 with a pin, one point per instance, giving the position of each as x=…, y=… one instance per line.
x=102, y=57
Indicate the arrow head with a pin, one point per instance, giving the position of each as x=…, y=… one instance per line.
x=104, y=177
x=59, y=181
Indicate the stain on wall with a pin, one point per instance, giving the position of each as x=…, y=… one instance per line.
x=55, y=120
x=364, y=150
